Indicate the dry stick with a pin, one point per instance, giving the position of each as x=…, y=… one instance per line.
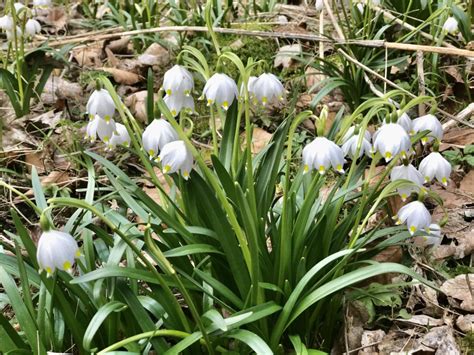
x=287, y=35
x=421, y=80
x=392, y=84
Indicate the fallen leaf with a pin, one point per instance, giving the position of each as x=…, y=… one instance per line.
x=120, y=46
x=137, y=104
x=152, y=191
x=260, y=139
x=111, y=58
x=454, y=72
x=59, y=88
x=466, y=323
x=442, y=339
x=457, y=137
x=155, y=55
x=467, y=183
x=55, y=17
x=285, y=55
x=123, y=76
x=89, y=55
x=369, y=341
x=459, y=289
x=421, y=319
x=49, y=119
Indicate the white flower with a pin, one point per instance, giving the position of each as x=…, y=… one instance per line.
x=101, y=104
x=100, y=127
x=407, y=172
x=121, y=136
x=319, y=5
x=375, y=2
x=178, y=80
x=32, y=27
x=360, y=7
x=433, y=236
x=415, y=215
x=56, y=250
x=157, y=135
x=177, y=102
x=220, y=89
x=6, y=23
x=430, y=123
x=435, y=166
x=11, y=34
x=18, y=6
x=390, y=140
x=405, y=121
x=44, y=3
x=350, y=146
x=176, y=156
x=320, y=154
x=249, y=87
x=350, y=132
x=451, y=25
x=282, y=20
x=267, y=88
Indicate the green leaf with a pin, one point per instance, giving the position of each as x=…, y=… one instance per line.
x=251, y=339
x=191, y=249
x=469, y=149
x=469, y=160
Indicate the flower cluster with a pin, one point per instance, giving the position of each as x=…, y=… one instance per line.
x=178, y=85
x=391, y=141
x=23, y=15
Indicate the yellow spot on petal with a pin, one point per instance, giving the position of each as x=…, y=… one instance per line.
x=264, y=100
x=444, y=181
x=151, y=152
x=280, y=98
x=388, y=155
x=339, y=168
x=107, y=118
x=166, y=168
x=306, y=168
x=48, y=270
x=427, y=179
x=173, y=112
x=91, y=117
x=322, y=169
x=412, y=229
x=187, y=92
x=404, y=197
x=428, y=230
x=185, y=174
x=398, y=220
x=209, y=102
x=225, y=105
x=168, y=92
x=78, y=253
x=106, y=139
x=67, y=265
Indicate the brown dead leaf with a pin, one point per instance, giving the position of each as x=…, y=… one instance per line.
x=467, y=184
x=137, y=104
x=55, y=17
x=459, y=289
x=454, y=72
x=120, y=46
x=49, y=119
x=152, y=191
x=423, y=320
x=466, y=323
x=53, y=178
x=442, y=339
x=369, y=341
x=155, y=55
x=111, y=58
x=90, y=55
x=36, y=159
x=59, y=88
x=123, y=76
x=260, y=139
x=457, y=137
x=313, y=77
x=285, y=55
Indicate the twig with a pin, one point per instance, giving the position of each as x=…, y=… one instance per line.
x=392, y=84
x=288, y=35
x=421, y=80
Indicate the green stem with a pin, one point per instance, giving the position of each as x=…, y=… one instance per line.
x=215, y=143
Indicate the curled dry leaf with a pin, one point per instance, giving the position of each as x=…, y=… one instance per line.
x=120, y=46
x=123, y=76
x=442, y=339
x=49, y=119
x=260, y=139
x=424, y=320
x=90, y=55
x=59, y=88
x=466, y=323
x=461, y=288
x=155, y=55
x=137, y=104
x=286, y=54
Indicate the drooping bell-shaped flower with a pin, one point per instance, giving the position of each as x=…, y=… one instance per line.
x=102, y=128
x=249, y=87
x=157, y=135
x=450, y=25
x=178, y=102
x=11, y=33
x=6, y=23
x=121, y=136
x=56, y=250
x=18, y=6
x=415, y=215
x=221, y=90
x=390, y=140
x=101, y=104
x=360, y=6
x=351, y=131
x=435, y=166
x=350, y=146
x=175, y=156
x=42, y=3
x=321, y=154
x=178, y=81
x=374, y=2
x=319, y=5
x=405, y=121
x=433, y=235
x=428, y=123
x=268, y=89
x=407, y=172
x=32, y=27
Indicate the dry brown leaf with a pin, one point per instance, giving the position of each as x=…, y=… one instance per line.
x=120, y=46
x=454, y=72
x=457, y=137
x=313, y=77
x=49, y=119
x=369, y=340
x=137, y=104
x=36, y=159
x=59, y=88
x=442, y=339
x=53, y=178
x=459, y=289
x=155, y=55
x=112, y=60
x=260, y=139
x=467, y=184
x=123, y=76
x=285, y=55
x=152, y=191
x=422, y=319
x=90, y=55
x=466, y=323
x=55, y=17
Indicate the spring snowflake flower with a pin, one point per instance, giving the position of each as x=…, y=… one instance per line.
x=157, y=135
x=415, y=215
x=429, y=123
x=42, y=3
x=178, y=81
x=350, y=146
x=6, y=23
x=319, y=5
x=433, y=236
x=101, y=104
x=375, y=2
x=175, y=156
x=102, y=128
x=18, y=6
x=350, y=133
x=450, y=25
x=267, y=89
x=435, y=166
x=322, y=153
x=56, y=250
x=220, y=89
x=32, y=27
x=178, y=102
x=405, y=121
x=407, y=172
x=249, y=87
x=390, y=140
x=121, y=136
x=11, y=34
x=360, y=6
